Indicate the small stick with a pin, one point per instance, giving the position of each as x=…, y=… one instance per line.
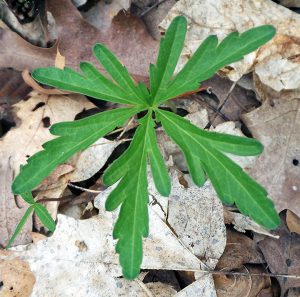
x=156, y=4
x=125, y=129
x=208, y=89
x=83, y=189
x=223, y=103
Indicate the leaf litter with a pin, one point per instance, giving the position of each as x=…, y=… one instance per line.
x=188, y=246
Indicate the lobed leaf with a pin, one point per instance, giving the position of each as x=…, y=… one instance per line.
x=211, y=57
x=93, y=83
x=118, y=72
x=132, y=193
x=231, y=183
x=74, y=137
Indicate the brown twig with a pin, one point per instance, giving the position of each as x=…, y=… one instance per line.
x=156, y=4
x=84, y=189
x=32, y=83
x=222, y=104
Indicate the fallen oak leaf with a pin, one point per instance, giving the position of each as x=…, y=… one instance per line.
x=127, y=37
x=282, y=255
x=277, y=127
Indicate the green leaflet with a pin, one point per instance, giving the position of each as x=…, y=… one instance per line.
x=131, y=172
x=118, y=72
x=74, y=137
x=231, y=183
x=211, y=57
x=93, y=83
x=169, y=52
x=41, y=212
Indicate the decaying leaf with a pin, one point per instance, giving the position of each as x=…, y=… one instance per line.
x=12, y=88
x=127, y=37
x=265, y=93
x=203, y=286
x=277, y=126
x=276, y=63
x=242, y=223
x=246, y=286
x=16, y=277
x=79, y=258
x=201, y=227
x=239, y=250
x=282, y=255
x=292, y=221
x=158, y=245
x=102, y=13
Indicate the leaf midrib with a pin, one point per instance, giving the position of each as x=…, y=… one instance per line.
x=144, y=151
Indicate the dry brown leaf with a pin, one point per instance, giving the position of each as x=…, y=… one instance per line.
x=127, y=38
x=294, y=292
x=282, y=255
x=37, y=236
x=79, y=259
x=60, y=60
x=293, y=222
x=246, y=286
x=242, y=223
x=153, y=17
x=12, y=87
x=290, y=3
x=234, y=100
x=102, y=13
x=265, y=93
x=17, y=280
x=277, y=126
x=240, y=250
x=277, y=63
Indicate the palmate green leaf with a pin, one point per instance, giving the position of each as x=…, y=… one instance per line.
x=203, y=153
x=211, y=57
x=203, y=150
x=74, y=137
x=132, y=193
x=93, y=83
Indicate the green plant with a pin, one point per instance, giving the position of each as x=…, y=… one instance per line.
x=203, y=150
